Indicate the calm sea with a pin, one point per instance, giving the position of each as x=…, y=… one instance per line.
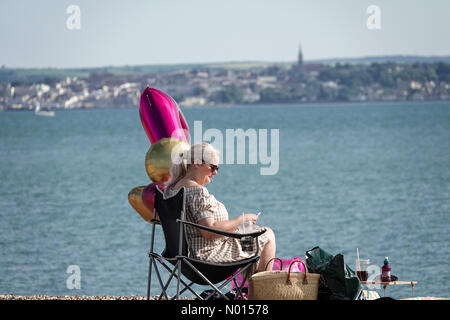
x=372, y=176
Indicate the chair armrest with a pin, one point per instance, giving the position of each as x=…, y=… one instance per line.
x=224, y=233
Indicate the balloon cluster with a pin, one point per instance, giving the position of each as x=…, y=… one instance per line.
x=168, y=132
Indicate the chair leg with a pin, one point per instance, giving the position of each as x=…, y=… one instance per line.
x=149, y=284
x=207, y=281
x=233, y=278
x=172, y=274
x=217, y=289
x=241, y=287
x=178, y=279
x=238, y=289
x=160, y=283
x=186, y=286
x=176, y=272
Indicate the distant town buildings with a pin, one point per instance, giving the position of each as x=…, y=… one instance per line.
x=200, y=86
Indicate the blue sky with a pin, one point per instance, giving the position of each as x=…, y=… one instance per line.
x=33, y=33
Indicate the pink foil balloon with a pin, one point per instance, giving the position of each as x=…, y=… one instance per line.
x=161, y=117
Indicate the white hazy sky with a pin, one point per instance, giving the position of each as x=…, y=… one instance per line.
x=33, y=33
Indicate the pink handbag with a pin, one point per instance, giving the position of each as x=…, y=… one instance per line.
x=298, y=267
x=279, y=264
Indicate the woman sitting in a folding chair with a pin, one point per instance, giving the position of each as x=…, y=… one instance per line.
x=195, y=169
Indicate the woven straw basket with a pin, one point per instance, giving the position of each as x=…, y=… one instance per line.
x=283, y=285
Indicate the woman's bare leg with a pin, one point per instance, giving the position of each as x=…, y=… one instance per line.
x=268, y=252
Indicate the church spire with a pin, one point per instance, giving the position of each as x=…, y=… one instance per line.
x=300, y=56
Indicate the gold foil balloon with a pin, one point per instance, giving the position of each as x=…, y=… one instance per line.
x=158, y=159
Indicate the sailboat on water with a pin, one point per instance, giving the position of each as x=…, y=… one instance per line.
x=46, y=112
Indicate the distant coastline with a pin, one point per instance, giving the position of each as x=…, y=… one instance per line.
x=369, y=79
x=267, y=104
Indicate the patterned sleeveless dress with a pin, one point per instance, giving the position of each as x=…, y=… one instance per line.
x=200, y=204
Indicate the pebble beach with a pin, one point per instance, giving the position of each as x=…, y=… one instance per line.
x=46, y=297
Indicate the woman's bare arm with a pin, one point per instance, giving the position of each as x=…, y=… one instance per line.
x=227, y=225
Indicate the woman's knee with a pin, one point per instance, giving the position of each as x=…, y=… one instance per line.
x=270, y=234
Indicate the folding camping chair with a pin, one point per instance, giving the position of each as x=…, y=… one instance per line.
x=171, y=213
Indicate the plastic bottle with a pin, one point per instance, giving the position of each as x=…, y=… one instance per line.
x=386, y=271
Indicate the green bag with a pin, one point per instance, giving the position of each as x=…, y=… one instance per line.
x=337, y=281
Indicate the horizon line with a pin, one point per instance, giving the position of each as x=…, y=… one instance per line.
x=238, y=62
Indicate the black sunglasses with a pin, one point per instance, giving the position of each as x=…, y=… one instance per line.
x=212, y=166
